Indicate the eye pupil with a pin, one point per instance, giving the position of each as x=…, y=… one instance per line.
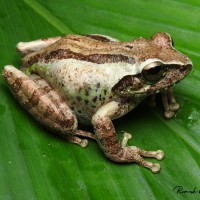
x=153, y=72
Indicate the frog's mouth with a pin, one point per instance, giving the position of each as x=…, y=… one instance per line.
x=151, y=81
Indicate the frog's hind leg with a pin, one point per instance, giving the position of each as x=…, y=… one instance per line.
x=43, y=103
x=25, y=48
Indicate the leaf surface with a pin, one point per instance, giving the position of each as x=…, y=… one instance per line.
x=36, y=164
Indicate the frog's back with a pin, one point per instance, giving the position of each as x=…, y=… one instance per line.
x=91, y=48
x=82, y=69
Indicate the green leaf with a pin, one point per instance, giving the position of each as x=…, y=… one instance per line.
x=36, y=164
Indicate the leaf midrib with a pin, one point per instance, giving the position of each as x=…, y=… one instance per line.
x=44, y=13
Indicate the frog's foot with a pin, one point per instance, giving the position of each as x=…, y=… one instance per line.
x=25, y=48
x=159, y=155
x=135, y=154
x=86, y=134
x=169, y=103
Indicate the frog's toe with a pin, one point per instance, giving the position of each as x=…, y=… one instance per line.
x=169, y=114
x=155, y=168
x=174, y=106
x=84, y=143
x=76, y=140
x=159, y=155
x=127, y=136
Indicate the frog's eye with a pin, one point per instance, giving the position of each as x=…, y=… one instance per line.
x=153, y=72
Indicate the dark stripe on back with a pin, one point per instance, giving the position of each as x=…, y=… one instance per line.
x=94, y=58
x=99, y=38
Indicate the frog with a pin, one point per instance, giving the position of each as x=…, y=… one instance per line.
x=93, y=79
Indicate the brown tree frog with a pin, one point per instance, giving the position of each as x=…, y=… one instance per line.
x=94, y=79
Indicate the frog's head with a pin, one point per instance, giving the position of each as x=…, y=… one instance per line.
x=158, y=65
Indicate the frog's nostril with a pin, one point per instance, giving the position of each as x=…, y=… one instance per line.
x=189, y=66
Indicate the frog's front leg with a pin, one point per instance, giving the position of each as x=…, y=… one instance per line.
x=25, y=48
x=108, y=142
x=44, y=104
x=169, y=103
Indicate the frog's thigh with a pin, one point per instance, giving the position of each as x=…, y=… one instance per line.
x=43, y=103
x=107, y=139
x=25, y=48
